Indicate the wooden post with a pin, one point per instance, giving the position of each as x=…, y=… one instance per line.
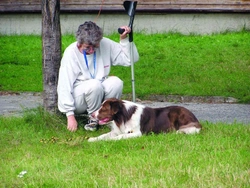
x=51, y=46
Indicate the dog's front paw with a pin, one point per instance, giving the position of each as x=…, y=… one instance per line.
x=92, y=139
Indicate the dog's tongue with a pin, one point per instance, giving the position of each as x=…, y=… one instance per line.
x=103, y=121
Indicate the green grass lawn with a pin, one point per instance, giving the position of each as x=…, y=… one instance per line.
x=170, y=64
x=40, y=144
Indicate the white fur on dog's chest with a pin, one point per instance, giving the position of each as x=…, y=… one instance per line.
x=130, y=127
x=133, y=125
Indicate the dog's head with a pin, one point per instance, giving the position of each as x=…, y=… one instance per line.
x=108, y=111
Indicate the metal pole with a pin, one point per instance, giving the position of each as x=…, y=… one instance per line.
x=130, y=7
x=132, y=71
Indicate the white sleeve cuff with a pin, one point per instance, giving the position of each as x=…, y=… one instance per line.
x=124, y=41
x=69, y=113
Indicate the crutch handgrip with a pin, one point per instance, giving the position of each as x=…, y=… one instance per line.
x=120, y=30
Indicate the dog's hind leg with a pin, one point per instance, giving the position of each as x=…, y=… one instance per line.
x=190, y=128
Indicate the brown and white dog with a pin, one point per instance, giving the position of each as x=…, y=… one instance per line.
x=127, y=119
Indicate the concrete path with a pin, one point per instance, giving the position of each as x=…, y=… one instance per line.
x=13, y=104
x=220, y=112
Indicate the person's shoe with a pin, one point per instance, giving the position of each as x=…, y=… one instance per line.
x=92, y=125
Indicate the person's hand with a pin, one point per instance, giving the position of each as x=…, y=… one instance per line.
x=72, y=123
x=127, y=30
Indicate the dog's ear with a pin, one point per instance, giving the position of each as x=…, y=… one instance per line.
x=115, y=106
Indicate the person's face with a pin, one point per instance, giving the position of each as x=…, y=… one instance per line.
x=90, y=49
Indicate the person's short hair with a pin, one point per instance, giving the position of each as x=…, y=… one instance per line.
x=89, y=33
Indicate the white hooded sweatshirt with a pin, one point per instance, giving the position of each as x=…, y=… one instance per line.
x=74, y=70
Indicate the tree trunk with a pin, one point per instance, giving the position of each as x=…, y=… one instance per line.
x=51, y=39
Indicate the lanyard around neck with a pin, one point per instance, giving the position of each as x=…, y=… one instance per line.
x=86, y=61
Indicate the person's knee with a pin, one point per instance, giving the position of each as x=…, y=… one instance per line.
x=113, y=87
x=95, y=86
x=117, y=83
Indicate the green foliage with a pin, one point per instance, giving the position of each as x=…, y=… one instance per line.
x=39, y=143
x=170, y=63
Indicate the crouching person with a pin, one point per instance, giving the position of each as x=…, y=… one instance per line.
x=84, y=81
